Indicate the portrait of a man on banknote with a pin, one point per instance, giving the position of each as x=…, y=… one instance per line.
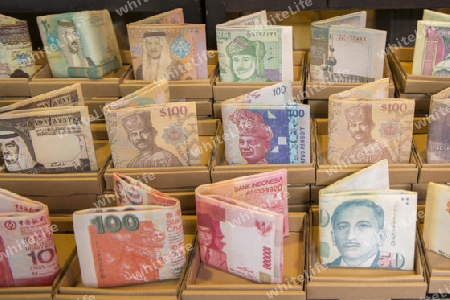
x=360, y=126
x=358, y=233
x=210, y=254
x=16, y=155
x=254, y=136
x=247, y=59
x=157, y=62
x=71, y=45
x=142, y=134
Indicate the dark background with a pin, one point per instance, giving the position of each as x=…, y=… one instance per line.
x=399, y=18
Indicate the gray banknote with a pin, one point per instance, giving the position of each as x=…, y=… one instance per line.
x=162, y=46
x=368, y=228
x=143, y=134
x=364, y=126
x=249, y=50
x=80, y=44
x=438, y=143
x=47, y=140
x=266, y=127
x=16, y=53
x=67, y=96
x=342, y=50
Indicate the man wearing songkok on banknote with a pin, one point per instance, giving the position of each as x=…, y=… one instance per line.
x=210, y=253
x=141, y=134
x=71, y=45
x=157, y=62
x=247, y=59
x=360, y=126
x=254, y=136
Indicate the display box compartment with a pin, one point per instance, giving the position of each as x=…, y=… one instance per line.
x=18, y=87
x=65, y=244
x=362, y=283
x=178, y=89
x=65, y=184
x=323, y=90
x=204, y=282
x=327, y=174
x=108, y=86
x=437, y=269
x=422, y=106
x=318, y=108
x=435, y=172
x=298, y=174
x=421, y=190
x=228, y=90
x=71, y=286
x=401, y=60
x=175, y=177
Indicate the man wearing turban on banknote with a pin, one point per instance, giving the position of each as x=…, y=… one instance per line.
x=247, y=59
x=210, y=254
x=157, y=62
x=254, y=135
x=71, y=46
x=360, y=126
x=15, y=152
x=142, y=134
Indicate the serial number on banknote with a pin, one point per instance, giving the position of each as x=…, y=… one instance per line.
x=271, y=189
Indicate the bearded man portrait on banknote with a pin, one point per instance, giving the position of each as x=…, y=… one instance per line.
x=210, y=254
x=71, y=45
x=157, y=62
x=142, y=134
x=254, y=136
x=247, y=59
x=16, y=155
x=360, y=126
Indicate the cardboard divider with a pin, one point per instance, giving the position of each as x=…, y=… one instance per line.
x=71, y=286
x=298, y=174
x=437, y=269
x=108, y=86
x=58, y=185
x=323, y=90
x=228, y=90
x=359, y=283
x=196, y=88
x=66, y=248
x=429, y=172
x=174, y=177
x=202, y=282
x=401, y=60
x=329, y=173
x=421, y=190
x=422, y=101
x=318, y=108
